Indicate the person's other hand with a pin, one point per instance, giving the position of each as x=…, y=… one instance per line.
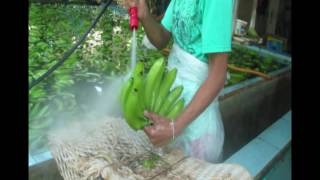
x=142, y=7
x=160, y=132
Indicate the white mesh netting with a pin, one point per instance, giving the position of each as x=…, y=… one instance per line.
x=106, y=149
x=110, y=149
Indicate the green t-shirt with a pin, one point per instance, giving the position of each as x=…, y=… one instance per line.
x=200, y=26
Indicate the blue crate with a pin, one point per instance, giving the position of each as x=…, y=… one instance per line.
x=276, y=46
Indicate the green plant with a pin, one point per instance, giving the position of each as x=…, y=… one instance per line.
x=105, y=54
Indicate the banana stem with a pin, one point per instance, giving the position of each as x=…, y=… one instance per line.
x=165, y=51
x=250, y=71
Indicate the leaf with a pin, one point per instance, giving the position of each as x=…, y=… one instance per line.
x=93, y=74
x=44, y=111
x=34, y=134
x=60, y=42
x=33, y=110
x=58, y=103
x=37, y=92
x=42, y=123
x=71, y=60
x=33, y=39
x=42, y=45
x=40, y=73
x=67, y=94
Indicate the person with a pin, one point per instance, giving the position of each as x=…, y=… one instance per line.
x=201, y=32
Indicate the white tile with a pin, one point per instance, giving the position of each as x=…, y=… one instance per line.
x=31, y=161
x=254, y=156
x=42, y=157
x=259, y=152
x=279, y=133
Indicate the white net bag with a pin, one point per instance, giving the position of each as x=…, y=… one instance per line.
x=110, y=149
x=106, y=149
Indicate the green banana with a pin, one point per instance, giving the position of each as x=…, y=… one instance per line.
x=132, y=106
x=138, y=70
x=134, y=82
x=151, y=81
x=156, y=89
x=176, y=110
x=139, y=103
x=138, y=85
x=165, y=88
x=132, y=111
x=125, y=91
x=170, y=100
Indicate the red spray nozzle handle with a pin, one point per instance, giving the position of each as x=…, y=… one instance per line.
x=133, y=12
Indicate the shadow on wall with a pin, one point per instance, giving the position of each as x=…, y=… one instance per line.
x=248, y=112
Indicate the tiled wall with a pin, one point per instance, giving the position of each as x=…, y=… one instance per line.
x=261, y=154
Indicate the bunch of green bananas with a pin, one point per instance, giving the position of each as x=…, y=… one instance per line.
x=151, y=93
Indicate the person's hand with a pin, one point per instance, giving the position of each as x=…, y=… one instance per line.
x=160, y=132
x=143, y=10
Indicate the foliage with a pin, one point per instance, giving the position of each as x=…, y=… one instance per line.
x=53, y=29
x=245, y=58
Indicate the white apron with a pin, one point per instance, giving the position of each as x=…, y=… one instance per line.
x=203, y=138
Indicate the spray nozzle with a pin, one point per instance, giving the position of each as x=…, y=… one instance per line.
x=133, y=12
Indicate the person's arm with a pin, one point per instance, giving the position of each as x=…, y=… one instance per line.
x=207, y=92
x=161, y=132
x=216, y=42
x=156, y=33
